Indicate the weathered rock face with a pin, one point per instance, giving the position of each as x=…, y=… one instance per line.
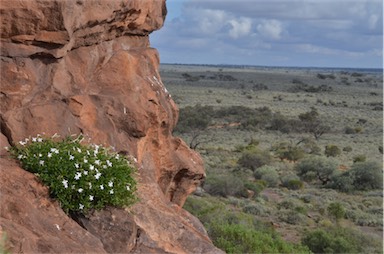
x=75, y=66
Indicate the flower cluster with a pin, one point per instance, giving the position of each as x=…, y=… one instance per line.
x=81, y=177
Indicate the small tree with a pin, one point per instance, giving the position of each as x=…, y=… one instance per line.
x=316, y=168
x=313, y=124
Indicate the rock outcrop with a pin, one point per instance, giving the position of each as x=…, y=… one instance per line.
x=77, y=66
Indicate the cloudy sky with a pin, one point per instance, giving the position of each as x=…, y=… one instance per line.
x=310, y=33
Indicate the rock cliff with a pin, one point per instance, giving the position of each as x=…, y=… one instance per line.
x=80, y=66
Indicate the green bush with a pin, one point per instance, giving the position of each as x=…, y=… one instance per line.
x=362, y=176
x=359, y=158
x=225, y=185
x=336, y=211
x=292, y=182
x=340, y=240
x=256, y=186
x=316, y=168
x=268, y=174
x=254, y=159
x=240, y=238
x=367, y=175
x=80, y=177
x=332, y=151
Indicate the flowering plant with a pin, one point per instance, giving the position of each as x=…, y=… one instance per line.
x=80, y=177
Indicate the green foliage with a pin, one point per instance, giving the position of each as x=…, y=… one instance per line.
x=367, y=175
x=292, y=182
x=362, y=176
x=225, y=185
x=347, y=149
x=340, y=240
x=268, y=174
x=80, y=177
x=256, y=186
x=359, y=158
x=253, y=159
x=239, y=238
x=194, y=118
x=316, y=168
x=237, y=232
x=336, y=210
x=286, y=151
x=332, y=151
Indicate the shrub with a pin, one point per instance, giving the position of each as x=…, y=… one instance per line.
x=316, y=168
x=254, y=159
x=340, y=240
x=289, y=152
x=336, y=210
x=367, y=175
x=347, y=149
x=359, y=158
x=240, y=238
x=362, y=176
x=332, y=151
x=292, y=182
x=80, y=177
x=256, y=187
x=225, y=185
x=268, y=174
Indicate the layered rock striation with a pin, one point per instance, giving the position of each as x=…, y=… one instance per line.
x=78, y=66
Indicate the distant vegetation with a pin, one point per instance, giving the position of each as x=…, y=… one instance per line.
x=294, y=162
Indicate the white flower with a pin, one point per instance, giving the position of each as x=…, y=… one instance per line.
x=88, y=153
x=6, y=148
x=111, y=192
x=91, y=167
x=85, y=172
x=40, y=155
x=97, y=162
x=90, y=185
x=128, y=188
x=110, y=183
x=78, y=150
x=97, y=176
x=109, y=163
x=34, y=139
x=49, y=155
x=104, y=166
x=77, y=165
x=54, y=150
x=71, y=157
x=81, y=206
x=77, y=176
x=65, y=183
x=39, y=140
x=90, y=197
x=80, y=190
x=22, y=143
x=20, y=156
x=102, y=187
x=41, y=163
x=117, y=156
x=85, y=160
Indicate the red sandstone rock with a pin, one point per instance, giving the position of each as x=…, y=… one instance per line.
x=78, y=66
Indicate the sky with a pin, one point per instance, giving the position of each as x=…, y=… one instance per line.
x=296, y=33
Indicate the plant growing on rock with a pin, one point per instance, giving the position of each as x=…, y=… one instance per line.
x=80, y=177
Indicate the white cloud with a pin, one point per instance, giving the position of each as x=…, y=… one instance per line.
x=270, y=29
x=240, y=27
